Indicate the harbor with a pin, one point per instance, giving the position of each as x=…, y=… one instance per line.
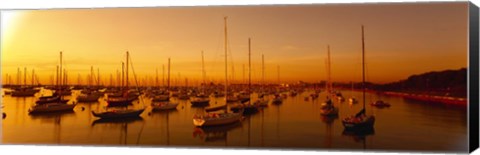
x=217, y=81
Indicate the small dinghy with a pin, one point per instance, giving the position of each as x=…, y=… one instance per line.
x=380, y=104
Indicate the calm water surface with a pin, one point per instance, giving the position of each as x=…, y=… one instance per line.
x=407, y=125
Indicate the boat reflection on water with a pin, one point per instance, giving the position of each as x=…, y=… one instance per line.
x=215, y=133
x=51, y=115
x=122, y=123
x=359, y=135
x=54, y=118
x=328, y=119
x=117, y=120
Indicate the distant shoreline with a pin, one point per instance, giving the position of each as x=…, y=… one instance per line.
x=447, y=100
x=431, y=98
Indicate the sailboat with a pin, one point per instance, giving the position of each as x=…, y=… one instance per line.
x=120, y=113
x=201, y=99
x=162, y=102
x=164, y=95
x=245, y=96
x=360, y=121
x=215, y=133
x=277, y=99
x=24, y=91
x=248, y=108
x=59, y=105
x=89, y=96
x=262, y=102
x=126, y=98
x=161, y=98
x=327, y=108
x=56, y=97
x=213, y=119
x=161, y=106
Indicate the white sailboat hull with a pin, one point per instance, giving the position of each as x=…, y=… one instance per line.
x=223, y=119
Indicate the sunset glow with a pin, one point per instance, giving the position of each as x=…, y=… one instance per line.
x=401, y=40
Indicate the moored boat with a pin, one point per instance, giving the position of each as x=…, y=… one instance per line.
x=88, y=97
x=197, y=101
x=261, y=102
x=23, y=93
x=328, y=109
x=380, y=104
x=277, y=100
x=232, y=99
x=51, y=107
x=215, y=119
x=360, y=121
x=162, y=106
x=118, y=113
x=120, y=101
x=50, y=99
x=161, y=98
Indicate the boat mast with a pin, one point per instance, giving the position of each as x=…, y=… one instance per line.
x=203, y=72
x=78, y=79
x=118, y=79
x=226, y=67
x=126, y=75
x=329, y=70
x=33, y=77
x=263, y=70
x=98, y=77
x=60, y=75
x=91, y=77
x=363, y=67
x=25, y=78
x=57, y=84
x=168, y=78
x=65, y=77
x=243, y=73
x=123, y=76
x=18, y=76
x=156, y=78
x=111, y=80
x=278, y=74
x=249, y=67
x=163, y=75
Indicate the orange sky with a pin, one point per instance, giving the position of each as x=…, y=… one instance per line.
x=401, y=40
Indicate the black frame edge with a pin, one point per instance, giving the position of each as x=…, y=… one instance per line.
x=473, y=104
